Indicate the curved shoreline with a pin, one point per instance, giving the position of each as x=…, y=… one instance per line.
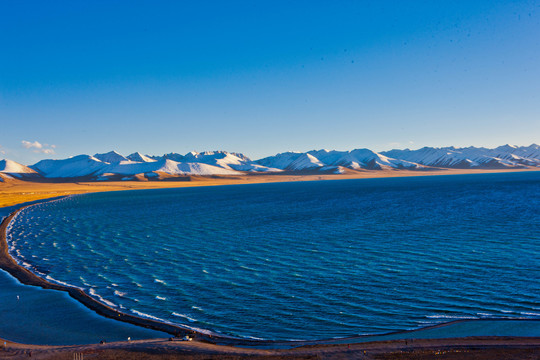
x=27, y=277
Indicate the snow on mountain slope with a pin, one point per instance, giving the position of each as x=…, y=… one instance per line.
x=222, y=159
x=15, y=169
x=471, y=157
x=300, y=161
x=218, y=158
x=322, y=159
x=327, y=161
x=530, y=152
x=528, y=156
x=138, y=157
x=84, y=165
x=203, y=169
x=438, y=157
x=305, y=161
x=330, y=157
x=279, y=161
x=111, y=157
x=113, y=163
x=215, y=155
x=77, y=166
x=171, y=156
x=226, y=160
x=169, y=167
x=367, y=159
x=132, y=168
x=252, y=167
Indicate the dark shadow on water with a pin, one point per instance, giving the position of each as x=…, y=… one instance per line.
x=29, y=314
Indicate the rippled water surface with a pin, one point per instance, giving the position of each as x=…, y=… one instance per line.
x=300, y=260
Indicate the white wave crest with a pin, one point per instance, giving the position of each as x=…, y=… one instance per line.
x=484, y=314
x=50, y=278
x=103, y=300
x=529, y=313
x=148, y=316
x=119, y=293
x=455, y=317
x=184, y=316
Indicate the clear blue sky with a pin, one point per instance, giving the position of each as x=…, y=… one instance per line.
x=262, y=77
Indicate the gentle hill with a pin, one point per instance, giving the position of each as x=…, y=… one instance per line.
x=15, y=169
x=77, y=166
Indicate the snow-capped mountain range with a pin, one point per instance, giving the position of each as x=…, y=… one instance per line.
x=472, y=157
x=112, y=165
x=336, y=160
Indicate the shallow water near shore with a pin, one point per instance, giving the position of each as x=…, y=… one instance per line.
x=300, y=260
x=32, y=315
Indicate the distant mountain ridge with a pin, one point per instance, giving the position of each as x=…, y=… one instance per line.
x=115, y=166
x=332, y=159
x=471, y=157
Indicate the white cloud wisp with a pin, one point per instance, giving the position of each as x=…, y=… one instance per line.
x=37, y=147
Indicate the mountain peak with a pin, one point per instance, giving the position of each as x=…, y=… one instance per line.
x=13, y=168
x=111, y=157
x=138, y=157
x=304, y=162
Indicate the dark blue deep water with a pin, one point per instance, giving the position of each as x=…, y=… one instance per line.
x=300, y=260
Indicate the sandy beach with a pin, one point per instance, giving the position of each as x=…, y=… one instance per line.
x=465, y=348
x=13, y=192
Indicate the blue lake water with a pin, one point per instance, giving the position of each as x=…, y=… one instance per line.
x=32, y=315
x=300, y=260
